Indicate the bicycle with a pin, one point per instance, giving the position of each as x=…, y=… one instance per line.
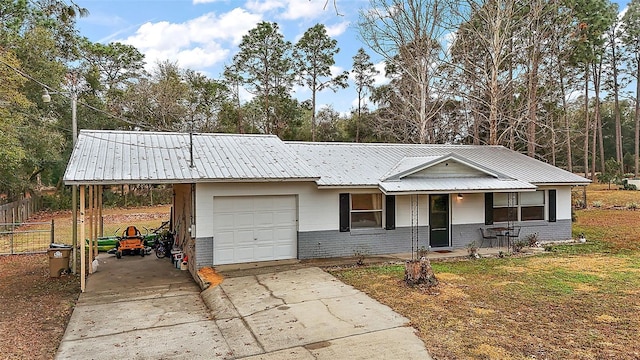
x=163, y=242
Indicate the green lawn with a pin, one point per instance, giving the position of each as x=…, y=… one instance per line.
x=573, y=302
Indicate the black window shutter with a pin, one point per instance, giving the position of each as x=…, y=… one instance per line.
x=344, y=212
x=488, y=208
x=552, y=206
x=390, y=208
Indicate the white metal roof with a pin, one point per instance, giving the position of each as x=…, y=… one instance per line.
x=113, y=157
x=352, y=164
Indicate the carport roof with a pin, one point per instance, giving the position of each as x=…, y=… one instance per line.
x=136, y=157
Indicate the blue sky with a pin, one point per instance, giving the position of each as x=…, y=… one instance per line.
x=203, y=35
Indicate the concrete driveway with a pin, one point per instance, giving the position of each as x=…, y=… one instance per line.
x=142, y=308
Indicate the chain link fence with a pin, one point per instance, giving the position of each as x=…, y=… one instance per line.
x=26, y=238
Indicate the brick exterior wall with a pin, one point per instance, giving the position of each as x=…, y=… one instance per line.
x=547, y=231
x=324, y=244
x=333, y=243
x=204, y=252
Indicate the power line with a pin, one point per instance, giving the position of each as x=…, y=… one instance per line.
x=63, y=93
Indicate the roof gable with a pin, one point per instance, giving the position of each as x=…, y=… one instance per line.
x=446, y=166
x=358, y=164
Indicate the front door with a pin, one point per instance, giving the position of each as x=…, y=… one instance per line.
x=439, y=220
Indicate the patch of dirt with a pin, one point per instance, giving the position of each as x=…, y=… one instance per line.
x=35, y=308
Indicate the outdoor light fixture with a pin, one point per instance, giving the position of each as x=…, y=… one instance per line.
x=460, y=197
x=46, y=98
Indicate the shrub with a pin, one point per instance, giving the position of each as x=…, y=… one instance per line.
x=472, y=249
x=532, y=240
x=597, y=204
x=60, y=200
x=360, y=255
x=633, y=206
x=518, y=246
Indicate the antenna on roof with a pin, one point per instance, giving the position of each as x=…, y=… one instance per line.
x=191, y=147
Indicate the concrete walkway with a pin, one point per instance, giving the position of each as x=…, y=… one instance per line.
x=143, y=308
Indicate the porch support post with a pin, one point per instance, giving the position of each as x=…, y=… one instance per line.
x=74, y=227
x=90, y=229
x=95, y=219
x=82, y=251
x=101, y=231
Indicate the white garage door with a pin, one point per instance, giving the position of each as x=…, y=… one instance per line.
x=254, y=228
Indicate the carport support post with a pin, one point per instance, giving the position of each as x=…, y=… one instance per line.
x=90, y=229
x=74, y=227
x=82, y=260
x=101, y=231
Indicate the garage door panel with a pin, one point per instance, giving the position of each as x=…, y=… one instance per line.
x=244, y=254
x=223, y=256
x=264, y=235
x=240, y=204
x=223, y=221
x=282, y=234
x=225, y=238
x=243, y=220
x=285, y=218
x=284, y=251
x=244, y=237
x=284, y=202
x=264, y=252
x=257, y=228
x=263, y=219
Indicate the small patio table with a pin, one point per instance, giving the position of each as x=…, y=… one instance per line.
x=501, y=233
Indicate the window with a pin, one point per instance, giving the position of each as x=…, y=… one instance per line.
x=524, y=206
x=505, y=207
x=532, y=205
x=366, y=211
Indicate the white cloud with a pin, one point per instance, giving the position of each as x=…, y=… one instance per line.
x=303, y=9
x=336, y=70
x=197, y=43
x=337, y=29
x=263, y=6
x=380, y=79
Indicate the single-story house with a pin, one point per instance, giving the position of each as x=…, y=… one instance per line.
x=246, y=198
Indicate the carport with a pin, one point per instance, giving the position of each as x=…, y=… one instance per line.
x=102, y=159
x=243, y=190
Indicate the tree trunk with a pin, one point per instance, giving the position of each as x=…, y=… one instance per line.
x=637, y=115
x=598, y=118
x=359, y=114
x=586, y=121
x=616, y=102
x=419, y=272
x=313, y=111
x=567, y=124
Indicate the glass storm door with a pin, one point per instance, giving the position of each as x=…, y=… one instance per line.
x=439, y=220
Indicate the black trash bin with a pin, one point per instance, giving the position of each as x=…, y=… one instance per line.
x=59, y=256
